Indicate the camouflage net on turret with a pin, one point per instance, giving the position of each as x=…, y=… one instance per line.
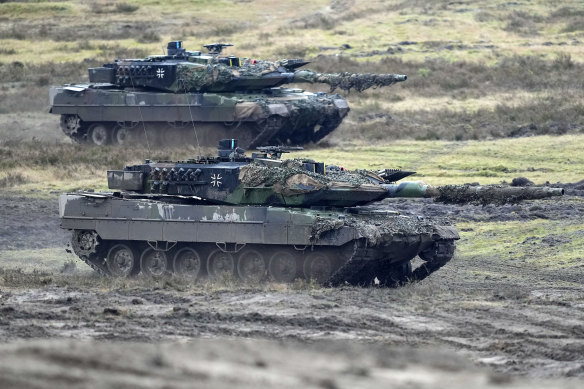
x=291, y=176
x=197, y=77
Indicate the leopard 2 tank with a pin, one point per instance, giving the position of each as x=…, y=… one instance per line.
x=184, y=95
x=259, y=218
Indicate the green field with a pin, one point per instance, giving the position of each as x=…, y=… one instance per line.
x=477, y=70
x=44, y=167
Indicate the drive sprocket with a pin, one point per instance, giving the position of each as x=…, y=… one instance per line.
x=84, y=243
x=70, y=124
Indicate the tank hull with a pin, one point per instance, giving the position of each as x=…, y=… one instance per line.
x=250, y=242
x=102, y=114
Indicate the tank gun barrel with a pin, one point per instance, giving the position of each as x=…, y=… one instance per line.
x=462, y=194
x=348, y=81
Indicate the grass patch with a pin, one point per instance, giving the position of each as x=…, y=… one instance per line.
x=12, y=179
x=69, y=167
x=35, y=9
x=42, y=166
x=38, y=260
x=541, y=159
x=551, y=244
x=69, y=274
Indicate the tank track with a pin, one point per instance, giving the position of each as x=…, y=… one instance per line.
x=97, y=264
x=251, y=135
x=91, y=250
x=436, y=256
x=363, y=267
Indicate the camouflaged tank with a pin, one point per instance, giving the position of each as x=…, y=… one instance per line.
x=168, y=98
x=258, y=218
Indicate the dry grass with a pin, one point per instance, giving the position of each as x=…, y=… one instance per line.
x=63, y=271
x=459, y=56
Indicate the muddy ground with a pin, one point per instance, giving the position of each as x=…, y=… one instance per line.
x=62, y=324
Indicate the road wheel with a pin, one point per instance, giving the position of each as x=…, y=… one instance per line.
x=318, y=266
x=99, y=135
x=187, y=263
x=120, y=135
x=153, y=263
x=122, y=261
x=282, y=266
x=220, y=264
x=251, y=265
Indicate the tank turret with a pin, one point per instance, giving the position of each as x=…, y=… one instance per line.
x=182, y=92
x=184, y=71
x=263, y=179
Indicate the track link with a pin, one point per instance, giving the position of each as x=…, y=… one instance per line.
x=362, y=266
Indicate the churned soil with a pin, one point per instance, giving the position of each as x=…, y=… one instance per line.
x=249, y=363
x=483, y=323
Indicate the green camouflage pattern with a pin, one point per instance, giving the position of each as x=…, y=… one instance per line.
x=221, y=78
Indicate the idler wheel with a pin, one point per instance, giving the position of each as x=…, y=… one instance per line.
x=441, y=251
x=318, y=266
x=282, y=267
x=122, y=261
x=153, y=263
x=220, y=263
x=99, y=135
x=187, y=263
x=251, y=266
